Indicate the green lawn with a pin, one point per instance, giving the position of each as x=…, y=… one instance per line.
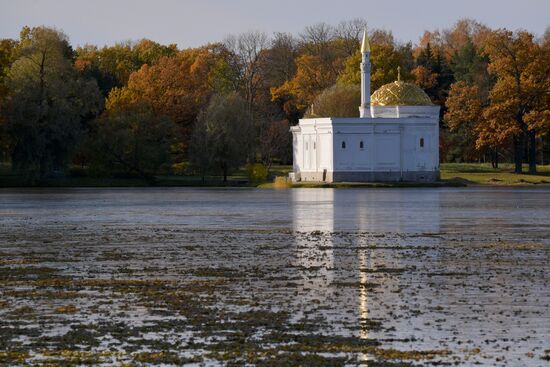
x=484, y=174
x=452, y=174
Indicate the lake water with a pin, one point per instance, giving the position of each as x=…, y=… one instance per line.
x=207, y=276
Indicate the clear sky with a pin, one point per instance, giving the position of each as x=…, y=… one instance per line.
x=191, y=23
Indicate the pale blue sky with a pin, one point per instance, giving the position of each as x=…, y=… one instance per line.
x=195, y=22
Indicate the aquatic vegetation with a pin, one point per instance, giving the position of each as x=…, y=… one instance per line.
x=66, y=309
x=13, y=357
x=163, y=358
x=165, y=294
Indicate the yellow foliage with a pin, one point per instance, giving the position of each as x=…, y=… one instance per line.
x=256, y=172
x=281, y=183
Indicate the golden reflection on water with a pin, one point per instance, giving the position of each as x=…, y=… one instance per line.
x=363, y=303
x=363, y=299
x=325, y=261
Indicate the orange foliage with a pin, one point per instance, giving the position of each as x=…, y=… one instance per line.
x=424, y=78
x=175, y=87
x=463, y=106
x=522, y=69
x=312, y=77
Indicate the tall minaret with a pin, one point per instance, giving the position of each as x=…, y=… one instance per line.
x=364, y=109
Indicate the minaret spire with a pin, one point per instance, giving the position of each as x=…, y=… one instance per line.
x=364, y=109
x=365, y=46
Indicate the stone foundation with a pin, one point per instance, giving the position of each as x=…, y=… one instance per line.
x=380, y=176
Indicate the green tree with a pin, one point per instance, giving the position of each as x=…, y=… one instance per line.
x=7, y=57
x=200, y=152
x=8, y=50
x=385, y=58
x=433, y=73
x=336, y=101
x=48, y=105
x=224, y=132
x=276, y=142
x=132, y=140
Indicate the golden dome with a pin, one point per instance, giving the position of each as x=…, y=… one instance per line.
x=400, y=93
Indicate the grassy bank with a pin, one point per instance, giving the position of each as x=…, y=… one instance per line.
x=455, y=175
x=237, y=179
x=452, y=175
x=484, y=174
x=350, y=185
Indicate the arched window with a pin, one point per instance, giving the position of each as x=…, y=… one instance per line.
x=343, y=145
x=306, y=146
x=421, y=142
x=361, y=145
x=314, y=146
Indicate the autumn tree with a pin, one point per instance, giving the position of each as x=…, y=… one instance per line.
x=280, y=67
x=280, y=58
x=433, y=73
x=249, y=52
x=312, y=77
x=316, y=40
x=386, y=56
x=48, y=105
x=8, y=49
x=323, y=50
x=519, y=98
x=464, y=31
x=112, y=66
x=348, y=35
x=461, y=131
x=464, y=116
x=175, y=87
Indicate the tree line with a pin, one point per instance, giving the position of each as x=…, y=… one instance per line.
x=143, y=108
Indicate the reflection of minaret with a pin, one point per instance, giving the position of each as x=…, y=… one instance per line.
x=396, y=218
x=364, y=109
x=365, y=217
x=334, y=256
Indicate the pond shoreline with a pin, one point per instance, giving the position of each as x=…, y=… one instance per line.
x=130, y=183
x=451, y=175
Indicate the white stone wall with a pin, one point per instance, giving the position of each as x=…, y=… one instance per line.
x=394, y=147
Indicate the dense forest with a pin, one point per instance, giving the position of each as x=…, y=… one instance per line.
x=143, y=108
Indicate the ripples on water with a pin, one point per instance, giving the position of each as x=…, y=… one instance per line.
x=460, y=272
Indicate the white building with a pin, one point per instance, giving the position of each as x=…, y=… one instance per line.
x=395, y=137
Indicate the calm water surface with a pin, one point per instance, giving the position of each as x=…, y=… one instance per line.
x=400, y=210
x=462, y=271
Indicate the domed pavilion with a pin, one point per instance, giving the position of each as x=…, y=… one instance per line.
x=395, y=137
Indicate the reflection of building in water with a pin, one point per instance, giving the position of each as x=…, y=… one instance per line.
x=313, y=213
x=357, y=225
x=313, y=209
x=387, y=210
